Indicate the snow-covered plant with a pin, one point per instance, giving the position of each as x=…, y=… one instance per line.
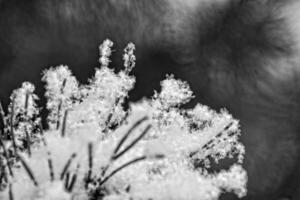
x=62, y=93
x=180, y=147
x=105, y=52
x=95, y=149
x=102, y=100
x=129, y=57
x=23, y=117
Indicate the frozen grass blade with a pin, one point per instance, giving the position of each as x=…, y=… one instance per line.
x=67, y=165
x=28, y=170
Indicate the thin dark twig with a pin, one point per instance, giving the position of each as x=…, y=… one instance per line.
x=42, y=133
x=134, y=126
x=28, y=170
x=28, y=142
x=60, y=103
x=49, y=159
x=115, y=156
x=63, y=86
x=108, y=121
x=50, y=166
x=12, y=126
x=2, y=114
x=67, y=180
x=90, y=152
x=64, y=125
x=5, y=154
x=210, y=143
x=90, y=155
x=105, y=169
x=10, y=192
x=73, y=180
x=123, y=119
x=67, y=165
x=132, y=143
x=41, y=127
x=121, y=167
x=58, y=113
x=26, y=102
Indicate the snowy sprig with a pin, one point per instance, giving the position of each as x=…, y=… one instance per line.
x=235, y=179
x=61, y=92
x=101, y=103
x=173, y=92
x=129, y=57
x=23, y=117
x=25, y=100
x=105, y=52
